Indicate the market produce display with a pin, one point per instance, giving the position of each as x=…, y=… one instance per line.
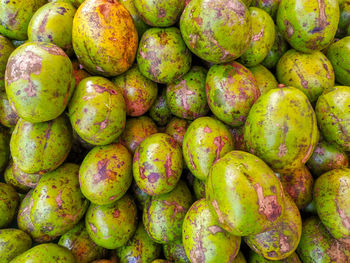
x=174, y=131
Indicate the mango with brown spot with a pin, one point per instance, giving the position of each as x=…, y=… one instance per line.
x=13, y=242
x=28, y=179
x=159, y=111
x=9, y=202
x=269, y=6
x=256, y=258
x=12, y=180
x=177, y=128
x=8, y=116
x=203, y=238
x=244, y=194
x=175, y=252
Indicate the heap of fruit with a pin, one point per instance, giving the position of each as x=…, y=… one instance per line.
x=203, y=131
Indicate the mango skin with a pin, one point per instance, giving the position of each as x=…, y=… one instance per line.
x=160, y=13
x=12, y=180
x=263, y=38
x=105, y=173
x=175, y=252
x=317, y=244
x=140, y=248
x=41, y=147
x=186, y=96
x=283, y=238
x=281, y=129
x=29, y=180
x=36, y=73
x=138, y=91
x=45, y=253
x=249, y=176
x=53, y=23
x=106, y=45
x=15, y=16
x=58, y=204
x=332, y=202
x=344, y=19
x=162, y=55
x=338, y=53
x=163, y=215
x=269, y=6
x=136, y=130
x=332, y=111
x=8, y=116
x=256, y=258
x=311, y=73
x=159, y=111
x=157, y=164
x=176, y=128
x=216, y=31
x=199, y=188
x=13, y=243
x=308, y=25
x=8, y=205
x=97, y=111
x=206, y=140
x=80, y=244
x=231, y=91
x=140, y=196
x=6, y=48
x=265, y=80
x=327, y=157
x=204, y=240
x=111, y=226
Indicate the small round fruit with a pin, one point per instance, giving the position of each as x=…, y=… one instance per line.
x=6, y=48
x=176, y=128
x=139, y=92
x=13, y=242
x=105, y=173
x=157, y=164
x=216, y=31
x=162, y=55
x=265, y=80
x=204, y=240
x=159, y=111
x=206, y=140
x=111, y=226
x=8, y=204
x=97, y=111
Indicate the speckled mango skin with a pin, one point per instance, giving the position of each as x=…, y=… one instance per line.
x=111, y=226
x=136, y=130
x=279, y=47
x=206, y=140
x=231, y=91
x=140, y=25
x=8, y=205
x=204, y=240
x=344, y=19
x=160, y=111
x=327, y=157
x=15, y=16
x=299, y=185
x=308, y=25
x=238, y=138
x=250, y=177
x=29, y=180
x=157, y=164
x=97, y=111
x=281, y=129
x=140, y=196
x=162, y=55
x=176, y=128
x=317, y=244
x=12, y=180
x=160, y=13
x=38, y=73
x=105, y=173
x=140, y=248
x=8, y=116
x=45, y=253
x=175, y=252
x=186, y=96
x=80, y=244
x=139, y=92
x=216, y=31
x=58, y=203
x=13, y=243
x=53, y=23
x=333, y=114
x=78, y=71
x=339, y=55
x=104, y=37
x=263, y=38
x=331, y=198
x=311, y=73
x=256, y=258
x=199, y=188
x=6, y=48
x=283, y=238
x=163, y=215
x=269, y=6
x=41, y=147
x=265, y=80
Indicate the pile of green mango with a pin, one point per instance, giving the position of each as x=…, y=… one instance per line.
x=174, y=131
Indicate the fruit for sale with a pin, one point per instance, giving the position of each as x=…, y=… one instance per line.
x=6, y=48
x=344, y=19
x=8, y=205
x=13, y=242
x=39, y=81
x=199, y=188
x=256, y=258
x=265, y=80
x=269, y=6
x=216, y=31
x=11, y=180
x=177, y=128
x=160, y=111
x=139, y=195
x=175, y=252
x=8, y=116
